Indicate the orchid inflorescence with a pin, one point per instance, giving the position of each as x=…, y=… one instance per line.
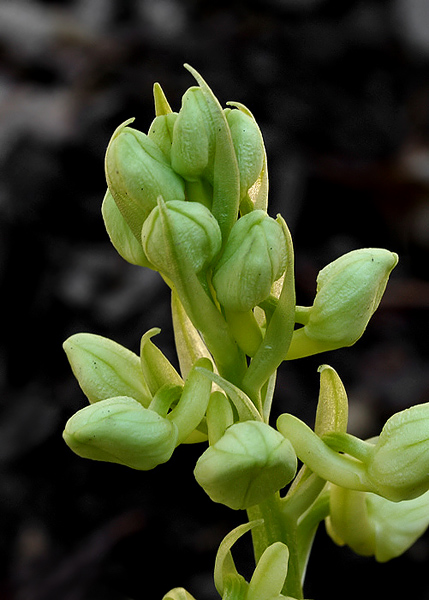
x=189, y=199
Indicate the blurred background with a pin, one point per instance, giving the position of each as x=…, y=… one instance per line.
x=341, y=93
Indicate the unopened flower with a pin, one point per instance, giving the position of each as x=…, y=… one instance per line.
x=247, y=464
x=253, y=259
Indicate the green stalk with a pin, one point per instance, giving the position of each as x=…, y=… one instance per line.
x=278, y=527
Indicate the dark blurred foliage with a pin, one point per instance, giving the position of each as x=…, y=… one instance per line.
x=341, y=92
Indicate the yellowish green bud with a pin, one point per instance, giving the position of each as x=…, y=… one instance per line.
x=248, y=145
x=250, y=462
x=105, y=369
x=399, y=463
x=137, y=172
x=192, y=150
x=193, y=228
x=349, y=291
x=121, y=430
x=253, y=259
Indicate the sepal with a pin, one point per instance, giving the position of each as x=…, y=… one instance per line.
x=374, y=526
x=105, y=369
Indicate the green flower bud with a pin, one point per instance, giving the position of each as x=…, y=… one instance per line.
x=137, y=172
x=253, y=259
x=161, y=132
x=399, y=464
x=192, y=150
x=248, y=145
x=374, y=526
x=194, y=229
x=120, y=430
x=250, y=462
x=105, y=369
x=349, y=291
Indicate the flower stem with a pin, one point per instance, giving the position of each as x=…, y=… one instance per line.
x=278, y=526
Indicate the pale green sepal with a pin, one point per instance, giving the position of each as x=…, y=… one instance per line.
x=219, y=416
x=342, y=470
x=332, y=408
x=224, y=563
x=397, y=524
x=270, y=574
x=193, y=402
x=245, y=408
x=121, y=430
x=278, y=335
x=120, y=234
x=178, y=594
x=189, y=344
x=156, y=367
x=162, y=106
x=373, y=525
x=161, y=132
x=226, y=179
x=249, y=463
x=258, y=192
x=348, y=522
x=105, y=369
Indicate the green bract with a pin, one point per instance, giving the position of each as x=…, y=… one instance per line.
x=349, y=291
x=193, y=228
x=121, y=430
x=137, y=172
x=248, y=463
x=253, y=259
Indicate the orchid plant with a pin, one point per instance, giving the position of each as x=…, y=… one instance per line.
x=189, y=199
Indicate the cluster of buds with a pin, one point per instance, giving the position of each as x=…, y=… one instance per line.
x=189, y=200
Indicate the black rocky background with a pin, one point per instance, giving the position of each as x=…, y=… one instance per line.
x=341, y=92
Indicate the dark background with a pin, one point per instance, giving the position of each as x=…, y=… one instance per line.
x=341, y=92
